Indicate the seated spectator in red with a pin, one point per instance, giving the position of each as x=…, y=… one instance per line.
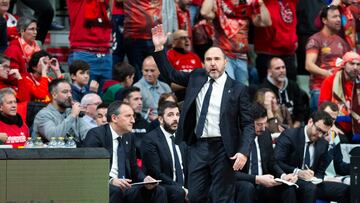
x=11, y=123
x=342, y=89
x=21, y=49
x=180, y=56
x=37, y=79
x=123, y=76
x=5, y=73
x=79, y=73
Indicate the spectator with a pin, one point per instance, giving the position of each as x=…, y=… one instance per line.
x=89, y=103
x=279, y=117
x=322, y=50
x=337, y=169
x=162, y=158
x=21, y=49
x=6, y=72
x=89, y=37
x=4, y=7
x=79, y=73
x=180, y=55
x=44, y=14
x=123, y=76
x=303, y=151
x=287, y=91
x=132, y=96
x=12, y=125
x=61, y=117
x=279, y=39
x=183, y=16
x=140, y=17
x=342, y=89
x=151, y=88
x=101, y=111
x=37, y=79
x=231, y=25
x=116, y=138
x=256, y=182
x=117, y=21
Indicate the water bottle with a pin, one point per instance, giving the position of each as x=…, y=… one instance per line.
x=29, y=143
x=70, y=143
x=38, y=143
x=52, y=143
x=61, y=142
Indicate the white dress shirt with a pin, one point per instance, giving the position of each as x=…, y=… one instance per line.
x=258, y=157
x=114, y=167
x=311, y=149
x=169, y=142
x=212, y=121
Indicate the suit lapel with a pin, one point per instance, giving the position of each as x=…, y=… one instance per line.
x=226, y=95
x=165, y=146
x=301, y=145
x=197, y=88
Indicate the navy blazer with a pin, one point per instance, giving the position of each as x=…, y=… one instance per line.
x=289, y=152
x=101, y=137
x=236, y=123
x=268, y=163
x=157, y=159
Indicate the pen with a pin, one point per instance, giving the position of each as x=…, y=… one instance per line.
x=307, y=167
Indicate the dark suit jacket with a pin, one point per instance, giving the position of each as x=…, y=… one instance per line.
x=101, y=137
x=289, y=152
x=268, y=163
x=157, y=157
x=236, y=123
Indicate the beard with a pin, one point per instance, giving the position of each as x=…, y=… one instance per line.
x=168, y=127
x=353, y=75
x=65, y=104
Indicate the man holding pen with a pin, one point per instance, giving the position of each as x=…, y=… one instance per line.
x=302, y=151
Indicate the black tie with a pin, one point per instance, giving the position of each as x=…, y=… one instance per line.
x=307, y=155
x=178, y=170
x=204, y=110
x=254, y=160
x=121, y=159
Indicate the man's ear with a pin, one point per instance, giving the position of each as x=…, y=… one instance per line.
x=161, y=119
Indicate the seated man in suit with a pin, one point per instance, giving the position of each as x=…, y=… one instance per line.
x=162, y=158
x=303, y=151
x=115, y=137
x=256, y=181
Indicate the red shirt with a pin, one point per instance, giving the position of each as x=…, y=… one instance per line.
x=118, y=8
x=184, y=20
x=17, y=136
x=184, y=62
x=96, y=37
x=37, y=90
x=328, y=48
x=17, y=58
x=20, y=89
x=280, y=38
x=140, y=17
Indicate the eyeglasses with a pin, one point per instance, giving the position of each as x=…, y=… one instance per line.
x=183, y=38
x=96, y=104
x=352, y=63
x=319, y=130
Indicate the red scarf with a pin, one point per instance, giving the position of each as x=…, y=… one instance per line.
x=28, y=49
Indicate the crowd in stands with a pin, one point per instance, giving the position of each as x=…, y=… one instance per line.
x=116, y=92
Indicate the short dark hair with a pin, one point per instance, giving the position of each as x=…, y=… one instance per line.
x=102, y=106
x=325, y=10
x=271, y=60
x=3, y=58
x=114, y=109
x=165, y=105
x=78, y=65
x=166, y=95
x=329, y=104
x=124, y=93
x=258, y=111
x=54, y=83
x=35, y=58
x=322, y=115
x=122, y=70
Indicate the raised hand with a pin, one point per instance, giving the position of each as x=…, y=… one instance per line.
x=159, y=37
